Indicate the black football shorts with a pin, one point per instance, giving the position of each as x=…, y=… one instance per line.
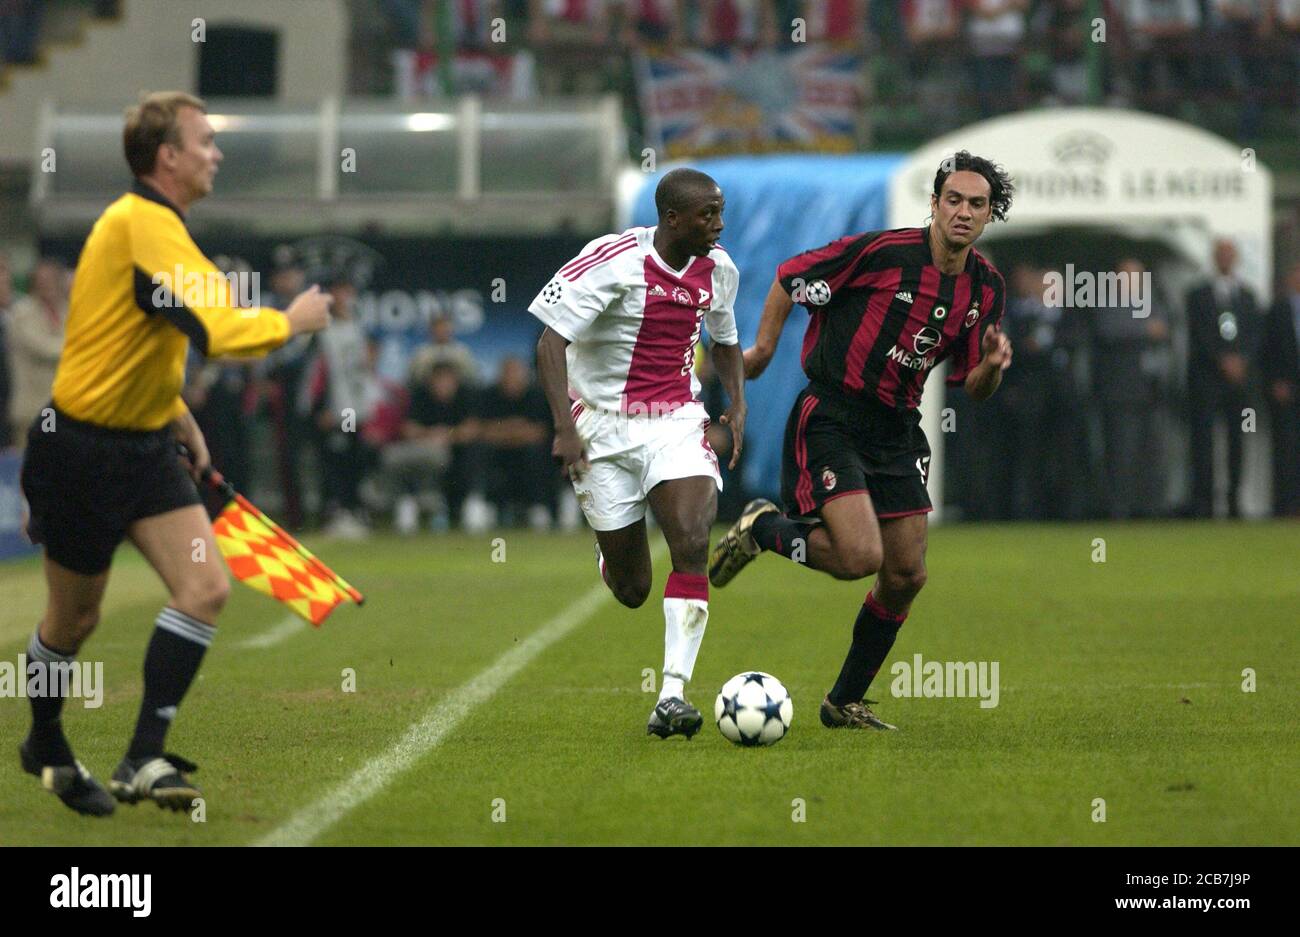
x=86, y=484
x=835, y=446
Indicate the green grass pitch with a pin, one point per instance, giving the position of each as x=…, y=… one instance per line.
x=1120, y=681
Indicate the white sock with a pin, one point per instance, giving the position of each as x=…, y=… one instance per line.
x=684, y=622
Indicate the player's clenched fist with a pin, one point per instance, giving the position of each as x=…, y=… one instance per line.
x=995, y=348
x=309, y=311
x=570, y=453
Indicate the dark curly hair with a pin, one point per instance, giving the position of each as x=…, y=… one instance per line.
x=1000, y=186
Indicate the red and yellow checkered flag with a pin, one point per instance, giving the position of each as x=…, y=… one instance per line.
x=262, y=555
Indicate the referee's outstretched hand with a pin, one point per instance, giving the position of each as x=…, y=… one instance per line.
x=309, y=311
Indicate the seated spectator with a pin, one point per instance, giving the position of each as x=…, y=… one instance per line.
x=653, y=22
x=516, y=439
x=443, y=348
x=20, y=31
x=933, y=29
x=996, y=32
x=434, y=460
x=843, y=22
x=1161, y=37
x=34, y=340
x=282, y=376
x=342, y=393
x=1237, y=68
x=1280, y=37
x=1063, y=30
x=724, y=26
x=571, y=39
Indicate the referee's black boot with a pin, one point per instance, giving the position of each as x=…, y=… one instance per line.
x=73, y=784
x=160, y=778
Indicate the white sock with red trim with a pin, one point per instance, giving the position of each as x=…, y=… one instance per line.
x=686, y=614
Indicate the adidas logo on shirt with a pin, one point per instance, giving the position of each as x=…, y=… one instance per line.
x=904, y=295
x=658, y=290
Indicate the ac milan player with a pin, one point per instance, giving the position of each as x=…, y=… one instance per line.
x=616, y=362
x=885, y=307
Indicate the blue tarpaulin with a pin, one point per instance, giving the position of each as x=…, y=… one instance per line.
x=778, y=206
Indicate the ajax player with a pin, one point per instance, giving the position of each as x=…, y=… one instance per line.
x=885, y=308
x=616, y=361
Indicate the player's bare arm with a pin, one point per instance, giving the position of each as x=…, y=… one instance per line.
x=728, y=362
x=553, y=375
x=986, y=376
x=776, y=309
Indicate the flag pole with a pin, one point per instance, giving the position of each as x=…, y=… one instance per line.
x=218, y=482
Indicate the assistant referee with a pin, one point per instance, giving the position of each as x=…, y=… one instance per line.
x=101, y=463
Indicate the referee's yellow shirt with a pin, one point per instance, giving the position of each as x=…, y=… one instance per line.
x=130, y=319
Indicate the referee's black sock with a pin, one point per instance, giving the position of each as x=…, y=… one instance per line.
x=175, y=652
x=873, y=636
x=46, y=741
x=780, y=534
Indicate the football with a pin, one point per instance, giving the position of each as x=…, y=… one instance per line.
x=753, y=708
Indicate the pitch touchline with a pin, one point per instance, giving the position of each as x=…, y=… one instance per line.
x=422, y=737
x=277, y=633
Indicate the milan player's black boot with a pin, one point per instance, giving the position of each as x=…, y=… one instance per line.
x=160, y=778
x=851, y=716
x=737, y=546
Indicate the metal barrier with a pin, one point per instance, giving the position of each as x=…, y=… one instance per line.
x=463, y=165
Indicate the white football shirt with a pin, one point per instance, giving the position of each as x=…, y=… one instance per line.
x=633, y=322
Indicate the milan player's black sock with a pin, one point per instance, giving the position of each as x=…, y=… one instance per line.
x=175, y=652
x=46, y=741
x=780, y=534
x=873, y=635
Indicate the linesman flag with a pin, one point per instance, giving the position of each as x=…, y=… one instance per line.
x=264, y=556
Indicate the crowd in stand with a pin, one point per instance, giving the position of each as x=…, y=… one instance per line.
x=440, y=448
x=1091, y=421
x=21, y=23
x=954, y=59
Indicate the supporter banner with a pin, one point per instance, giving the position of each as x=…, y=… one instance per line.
x=700, y=103
x=12, y=541
x=417, y=74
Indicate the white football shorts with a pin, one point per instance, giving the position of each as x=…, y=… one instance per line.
x=630, y=455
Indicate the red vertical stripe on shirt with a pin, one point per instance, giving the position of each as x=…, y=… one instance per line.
x=869, y=330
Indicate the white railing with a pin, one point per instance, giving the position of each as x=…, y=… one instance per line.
x=469, y=163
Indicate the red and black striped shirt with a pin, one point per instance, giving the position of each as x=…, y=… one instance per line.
x=882, y=314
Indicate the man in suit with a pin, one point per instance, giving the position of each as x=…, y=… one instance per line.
x=1280, y=366
x=1223, y=325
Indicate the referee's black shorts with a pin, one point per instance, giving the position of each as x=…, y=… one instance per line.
x=86, y=484
x=836, y=446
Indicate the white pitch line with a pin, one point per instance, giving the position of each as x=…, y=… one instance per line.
x=429, y=732
x=278, y=633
